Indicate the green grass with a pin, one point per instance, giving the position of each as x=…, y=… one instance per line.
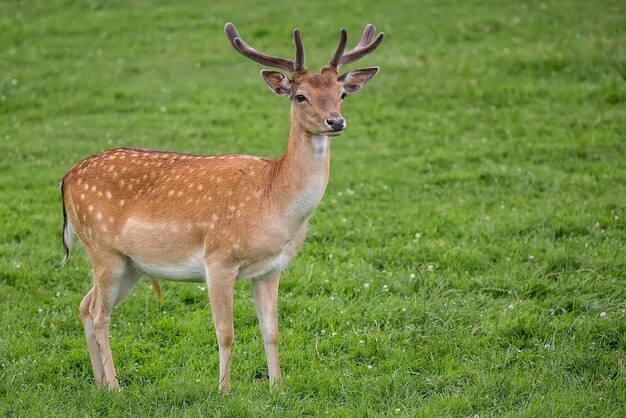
x=471, y=235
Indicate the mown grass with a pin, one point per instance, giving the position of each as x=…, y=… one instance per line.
x=467, y=259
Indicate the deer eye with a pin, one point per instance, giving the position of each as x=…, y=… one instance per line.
x=343, y=95
x=300, y=98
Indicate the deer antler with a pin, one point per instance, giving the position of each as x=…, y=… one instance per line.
x=276, y=62
x=364, y=47
x=336, y=59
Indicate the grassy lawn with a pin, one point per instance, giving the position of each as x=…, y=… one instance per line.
x=468, y=257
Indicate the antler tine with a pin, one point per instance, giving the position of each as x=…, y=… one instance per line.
x=365, y=45
x=343, y=39
x=299, y=63
x=367, y=36
x=247, y=51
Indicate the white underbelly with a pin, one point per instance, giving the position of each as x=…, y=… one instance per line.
x=191, y=270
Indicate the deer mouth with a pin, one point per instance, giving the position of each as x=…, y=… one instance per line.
x=334, y=132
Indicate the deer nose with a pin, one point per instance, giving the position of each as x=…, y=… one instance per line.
x=337, y=123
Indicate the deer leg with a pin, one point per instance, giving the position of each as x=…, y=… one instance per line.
x=220, y=285
x=90, y=334
x=265, y=293
x=113, y=281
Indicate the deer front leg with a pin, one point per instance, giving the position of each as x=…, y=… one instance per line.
x=220, y=285
x=265, y=291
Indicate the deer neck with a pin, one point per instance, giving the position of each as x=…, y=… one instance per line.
x=300, y=175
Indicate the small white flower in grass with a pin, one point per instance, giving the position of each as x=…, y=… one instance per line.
x=349, y=191
x=40, y=310
x=366, y=285
x=602, y=314
x=547, y=346
x=430, y=268
x=369, y=366
x=163, y=109
x=333, y=334
x=511, y=307
x=397, y=410
x=361, y=342
x=412, y=275
x=385, y=288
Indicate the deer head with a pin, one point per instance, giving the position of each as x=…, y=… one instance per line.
x=316, y=98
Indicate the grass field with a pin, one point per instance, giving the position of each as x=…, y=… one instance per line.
x=467, y=259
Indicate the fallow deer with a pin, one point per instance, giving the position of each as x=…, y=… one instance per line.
x=214, y=219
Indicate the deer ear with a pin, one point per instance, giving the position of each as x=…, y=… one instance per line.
x=277, y=81
x=354, y=80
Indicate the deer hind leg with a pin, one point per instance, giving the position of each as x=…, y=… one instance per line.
x=265, y=291
x=113, y=280
x=90, y=334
